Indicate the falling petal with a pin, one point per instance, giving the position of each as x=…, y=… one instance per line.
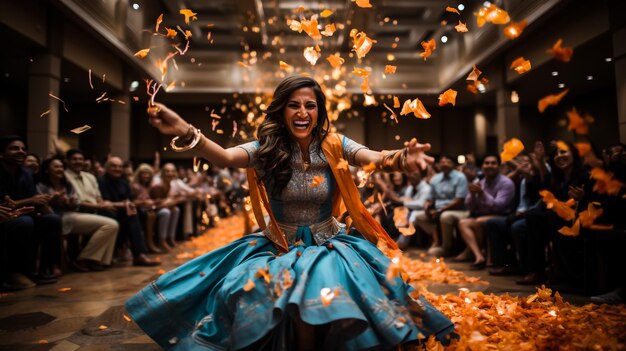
x=44, y=113
x=448, y=97
x=549, y=100
x=188, y=14
x=417, y=107
x=59, y=99
x=577, y=123
x=515, y=29
x=492, y=14
x=249, y=285
x=329, y=29
x=429, y=47
x=362, y=44
x=452, y=9
x=171, y=33
x=461, y=27
x=142, y=53
x=363, y=3
x=560, y=53
x=393, y=114
x=317, y=180
x=389, y=69
x=396, y=102
x=80, y=130
x=473, y=76
x=511, y=149
x=310, y=28
x=311, y=55
x=521, y=65
x=326, y=13
x=158, y=23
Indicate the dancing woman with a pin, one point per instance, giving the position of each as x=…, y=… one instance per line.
x=302, y=283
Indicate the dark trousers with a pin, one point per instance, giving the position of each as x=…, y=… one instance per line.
x=499, y=232
x=22, y=238
x=130, y=230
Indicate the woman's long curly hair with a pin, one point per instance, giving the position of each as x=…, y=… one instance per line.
x=275, y=143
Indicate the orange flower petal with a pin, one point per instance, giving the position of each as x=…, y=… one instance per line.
x=361, y=72
x=329, y=29
x=515, y=29
x=317, y=180
x=249, y=285
x=492, y=14
x=335, y=60
x=429, y=47
x=310, y=27
x=396, y=102
x=158, y=23
x=171, y=33
x=417, y=107
x=511, y=149
x=188, y=14
x=549, y=100
x=577, y=123
x=452, y=9
x=326, y=13
x=363, y=3
x=461, y=27
x=560, y=53
x=389, y=69
x=362, y=44
x=521, y=65
x=474, y=74
x=448, y=97
x=311, y=55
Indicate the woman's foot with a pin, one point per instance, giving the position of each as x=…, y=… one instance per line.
x=463, y=257
x=478, y=265
x=164, y=247
x=172, y=243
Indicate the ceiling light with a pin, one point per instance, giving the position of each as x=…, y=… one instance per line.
x=486, y=3
x=461, y=7
x=481, y=88
x=589, y=77
x=135, y=6
x=460, y=159
x=66, y=80
x=555, y=73
x=561, y=85
x=444, y=39
x=133, y=85
x=608, y=59
x=514, y=97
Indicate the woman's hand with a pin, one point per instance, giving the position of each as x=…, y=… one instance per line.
x=416, y=158
x=167, y=121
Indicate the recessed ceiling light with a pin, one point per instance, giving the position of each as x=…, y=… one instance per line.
x=135, y=6
x=486, y=3
x=461, y=7
x=561, y=85
x=7, y=75
x=589, y=77
x=481, y=88
x=608, y=59
x=514, y=97
x=134, y=85
x=555, y=73
x=444, y=39
x=66, y=80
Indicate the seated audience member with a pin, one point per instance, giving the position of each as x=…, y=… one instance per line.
x=489, y=198
x=615, y=161
x=140, y=187
x=102, y=231
x=114, y=187
x=392, y=197
x=32, y=162
x=414, y=199
x=22, y=234
x=445, y=207
x=166, y=198
x=568, y=180
x=499, y=229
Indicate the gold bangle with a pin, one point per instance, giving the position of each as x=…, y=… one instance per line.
x=197, y=136
x=393, y=161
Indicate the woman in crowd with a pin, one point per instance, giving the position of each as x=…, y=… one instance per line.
x=302, y=283
x=98, y=252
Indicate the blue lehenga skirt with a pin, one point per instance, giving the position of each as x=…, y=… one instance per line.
x=209, y=303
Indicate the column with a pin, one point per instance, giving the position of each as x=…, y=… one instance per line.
x=120, y=127
x=618, y=30
x=43, y=79
x=508, y=117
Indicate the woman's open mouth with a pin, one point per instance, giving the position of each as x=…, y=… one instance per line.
x=301, y=124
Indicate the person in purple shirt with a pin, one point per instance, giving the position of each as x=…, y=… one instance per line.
x=489, y=198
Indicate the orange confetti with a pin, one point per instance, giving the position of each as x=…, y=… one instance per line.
x=461, y=27
x=80, y=130
x=264, y=273
x=103, y=327
x=310, y=28
x=42, y=341
x=393, y=114
x=511, y=149
x=549, y=100
x=202, y=274
x=448, y=97
x=577, y=123
x=126, y=318
x=328, y=295
x=394, y=269
x=363, y=3
x=249, y=285
x=560, y=53
x=287, y=280
x=492, y=14
x=44, y=113
x=408, y=231
x=64, y=289
x=242, y=64
x=188, y=14
x=335, y=60
x=389, y=69
x=417, y=107
x=515, y=29
x=452, y=9
x=59, y=99
x=370, y=167
x=362, y=44
x=562, y=209
x=473, y=76
x=317, y=181
x=187, y=34
x=285, y=66
x=142, y=53
x=311, y=55
x=605, y=183
x=429, y=47
x=361, y=72
x=171, y=33
x=161, y=271
x=326, y=13
x=521, y=65
x=252, y=243
x=583, y=148
x=159, y=20
x=396, y=102
x=329, y=29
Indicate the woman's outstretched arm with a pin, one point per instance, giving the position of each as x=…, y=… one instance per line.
x=416, y=158
x=170, y=123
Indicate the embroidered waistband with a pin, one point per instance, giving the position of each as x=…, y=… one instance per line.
x=322, y=231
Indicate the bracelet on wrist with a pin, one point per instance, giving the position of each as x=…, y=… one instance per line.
x=189, y=143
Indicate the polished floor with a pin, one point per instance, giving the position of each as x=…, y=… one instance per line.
x=84, y=311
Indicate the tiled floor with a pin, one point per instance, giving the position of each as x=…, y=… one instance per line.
x=44, y=318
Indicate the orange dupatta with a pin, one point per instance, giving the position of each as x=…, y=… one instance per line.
x=346, y=197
